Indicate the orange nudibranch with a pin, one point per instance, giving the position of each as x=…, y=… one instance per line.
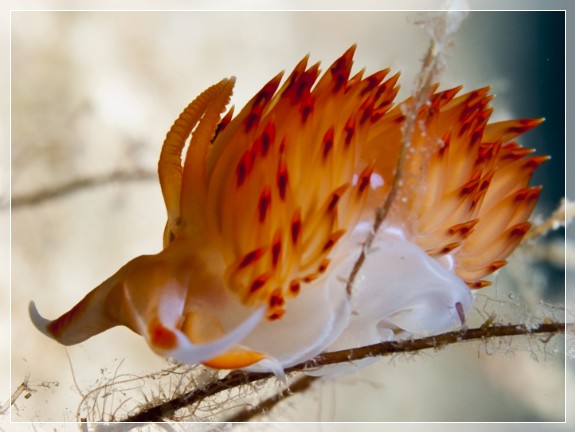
x=269, y=209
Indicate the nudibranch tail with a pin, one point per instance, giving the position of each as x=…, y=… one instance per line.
x=87, y=318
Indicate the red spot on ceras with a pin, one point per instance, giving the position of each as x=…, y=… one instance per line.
x=251, y=257
x=335, y=197
x=379, y=113
x=332, y=240
x=471, y=101
x=276, y=315
x=310, y=277
x=282, y=179
x=244, y=167
x=323, y=265
x=340, y=70
x=399, y=119
x=298, y=91
x=511, y=151
x=294, y=287
x=521, y=126
x=253, y=118
x=372, y=81
x=223, y=123
x=486, y=152
x=306, y=107
x=296, y=226
x=449, y=247
x=439, y=99
x=260, y=101
x=478, y=284
x=276, y=299
x=475, y=138
x=264, y=204
x=468, y=112
x=327, y=144
x=276, y=248
x=259, y=282
x=520, y=229
x=366, y=110
x=267, y=138
x=300, y=84
x=463, y=229
x=496, y=265
x=528, y=194
x=463, y=129
x=265, y=94
x=535, y=161
x=388, y=88
x=364, y=179
x=485, y=182
x=349, y=131
x=471, y=186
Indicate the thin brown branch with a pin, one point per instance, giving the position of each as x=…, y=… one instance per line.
x=439, y=341
x=167, y=410
x=300, y=385
x=78, y=185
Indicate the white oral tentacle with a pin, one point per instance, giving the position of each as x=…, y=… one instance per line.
x=188, y=352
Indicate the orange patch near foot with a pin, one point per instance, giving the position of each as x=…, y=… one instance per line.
x=234, y=359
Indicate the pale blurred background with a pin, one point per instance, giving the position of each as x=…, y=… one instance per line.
x=95, y=92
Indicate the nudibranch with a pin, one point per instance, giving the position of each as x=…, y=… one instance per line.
x=269, y=211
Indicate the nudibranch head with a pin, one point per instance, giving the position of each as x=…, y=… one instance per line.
x=270, y=208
